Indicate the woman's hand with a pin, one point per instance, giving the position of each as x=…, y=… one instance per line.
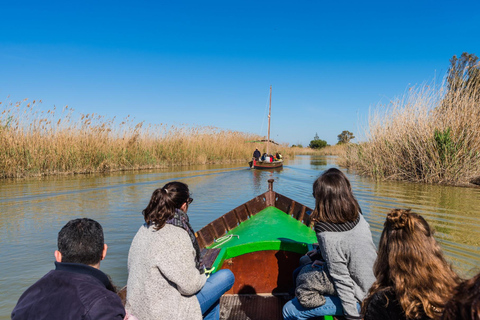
x=317, y=263
x=311, y=252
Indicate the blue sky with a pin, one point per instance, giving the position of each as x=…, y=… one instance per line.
x=210, y=63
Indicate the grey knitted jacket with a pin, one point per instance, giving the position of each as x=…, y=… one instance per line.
x=349, y=256
x=312, y=284
x=162, y=277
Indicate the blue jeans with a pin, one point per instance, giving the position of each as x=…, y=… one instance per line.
x=294, y=310
x=332, y=307
x=209, y=297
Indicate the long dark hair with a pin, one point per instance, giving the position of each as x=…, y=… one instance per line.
x=334, y=200
x=164, y=202
x=410, y=264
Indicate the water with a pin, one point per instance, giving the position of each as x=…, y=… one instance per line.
x=33, y=211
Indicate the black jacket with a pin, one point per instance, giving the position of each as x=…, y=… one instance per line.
x=71, y=291
x=384, y=306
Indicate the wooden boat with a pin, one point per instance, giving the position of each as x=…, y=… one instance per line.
x=261, y=241
x=261, y=164
x=266, y=165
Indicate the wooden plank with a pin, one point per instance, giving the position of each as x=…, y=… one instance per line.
x=207, y=235
x=231, y=220
x=257, y=204
x=219, y=227
x=241, y=213
x=253, y=307
x=301, y=213
x=283, y=203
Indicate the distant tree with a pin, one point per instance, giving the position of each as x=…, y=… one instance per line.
x=317, y=143
x=297, y=145
x=345, y=137
x=463, y=77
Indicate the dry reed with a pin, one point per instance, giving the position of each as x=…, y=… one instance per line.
x=421, y=138
x=38, y=142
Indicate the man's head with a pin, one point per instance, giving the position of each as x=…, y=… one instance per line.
x=81, y=241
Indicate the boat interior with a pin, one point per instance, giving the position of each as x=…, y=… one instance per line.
x=261, y=242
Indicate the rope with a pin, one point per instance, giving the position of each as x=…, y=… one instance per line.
x=224, y=239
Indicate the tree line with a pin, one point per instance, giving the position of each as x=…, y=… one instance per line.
x=344, y=137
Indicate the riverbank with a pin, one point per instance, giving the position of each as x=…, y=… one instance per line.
x=36, y=142
x=430, y=135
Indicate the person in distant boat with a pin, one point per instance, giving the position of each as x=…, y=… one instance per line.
x=256, y=154
x=166, y=279
x=76, y=289
x=346, y=245
x=465, y=303
x=278, y=156
x=413, y=279
x=264, y=156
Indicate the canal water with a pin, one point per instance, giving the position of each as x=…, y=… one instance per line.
x=33, y=211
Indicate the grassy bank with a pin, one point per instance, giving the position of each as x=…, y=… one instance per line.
x=44, y=142
x=429, y=135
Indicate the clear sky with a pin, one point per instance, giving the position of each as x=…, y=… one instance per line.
x=210, y=63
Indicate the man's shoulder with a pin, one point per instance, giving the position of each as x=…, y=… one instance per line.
x=67, y=293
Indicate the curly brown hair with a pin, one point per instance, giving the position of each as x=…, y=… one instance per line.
x=465, y=304
x=334, y=200
x=163, y=203
x=410, y=263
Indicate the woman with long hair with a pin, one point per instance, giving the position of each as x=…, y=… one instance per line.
x=413, y=279
x=346, y=245
x=166, y=279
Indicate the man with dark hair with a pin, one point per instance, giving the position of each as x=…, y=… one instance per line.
x=76, y=289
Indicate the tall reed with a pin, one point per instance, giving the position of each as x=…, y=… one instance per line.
x=42, y=142
x=421, y=138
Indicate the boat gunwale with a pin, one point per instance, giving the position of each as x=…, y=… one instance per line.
x=230, y=220
x=209, y=234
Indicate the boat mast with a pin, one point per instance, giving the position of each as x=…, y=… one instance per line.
x=269, y=113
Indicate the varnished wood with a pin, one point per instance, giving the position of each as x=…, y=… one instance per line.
x=263, y=272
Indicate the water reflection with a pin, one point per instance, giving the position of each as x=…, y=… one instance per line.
x=33, y=211
x=318, y=163
x=452, y=211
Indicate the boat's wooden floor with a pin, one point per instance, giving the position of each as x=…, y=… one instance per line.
x=254, y=307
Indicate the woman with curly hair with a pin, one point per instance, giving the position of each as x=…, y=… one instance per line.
x=413, y=279
x=166, y=279
x=465, y=304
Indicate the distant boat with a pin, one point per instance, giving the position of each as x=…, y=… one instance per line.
x=271, y=162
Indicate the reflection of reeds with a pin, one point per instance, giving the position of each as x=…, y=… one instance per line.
x=35, y=142
x=421, y=138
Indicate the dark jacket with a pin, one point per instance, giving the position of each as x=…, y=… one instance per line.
x=384, y=306
x=71, y=291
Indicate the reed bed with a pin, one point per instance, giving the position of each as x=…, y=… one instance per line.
x=302, y=151
x=45, y=142
x=429, y=135
x=335, y=150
